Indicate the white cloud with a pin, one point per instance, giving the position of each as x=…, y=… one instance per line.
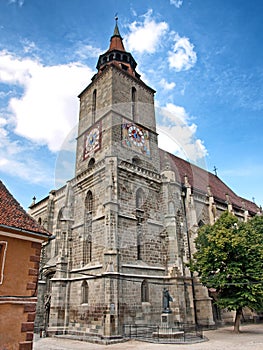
x=176, y=3
x=145, y=36
x=179, y=136
x=183, y=56
x=175, y=114
x=20, y=3
x=86, y=51
x=167, y=86
x=29, y=46
x=18, y=159
x=48, y=108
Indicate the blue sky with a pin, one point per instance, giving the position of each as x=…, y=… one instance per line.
x=203, y=57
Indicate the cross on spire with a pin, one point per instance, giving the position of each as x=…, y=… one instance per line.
x=215, y=170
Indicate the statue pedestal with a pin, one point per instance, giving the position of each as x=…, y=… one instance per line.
x=167, y=328
x=167, y=320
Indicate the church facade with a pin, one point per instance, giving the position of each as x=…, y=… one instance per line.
x=125, y=225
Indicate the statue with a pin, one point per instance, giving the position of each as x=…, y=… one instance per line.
x=166, y=301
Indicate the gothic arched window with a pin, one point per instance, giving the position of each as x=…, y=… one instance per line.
x=89, y=202
x=144, y=291
x=84, y=292
x=87, y=250
x=87, y=240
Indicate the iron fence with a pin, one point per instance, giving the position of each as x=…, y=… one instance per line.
x=183, y=333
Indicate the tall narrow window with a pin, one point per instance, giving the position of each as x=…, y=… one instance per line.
x=89, y=202
x=84, y=292
x=87, y=241
x=3, y=246
x=139, y=242
x=87, y=250
x=144, y=291
x=94, y=105
x=58, y=231
x=133, y=106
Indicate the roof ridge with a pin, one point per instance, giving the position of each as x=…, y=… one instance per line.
x=200, y=178
x=13, y=215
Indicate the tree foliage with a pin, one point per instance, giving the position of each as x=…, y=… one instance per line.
x=229, y=258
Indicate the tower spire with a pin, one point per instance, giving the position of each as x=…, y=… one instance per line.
x=116, y=29
x=117, y=55
x=116, y=39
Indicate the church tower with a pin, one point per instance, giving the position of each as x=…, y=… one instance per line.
x=117, y=177
x=117, y=115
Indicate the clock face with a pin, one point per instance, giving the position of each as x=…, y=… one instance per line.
x=136, y=136
x=91, y=141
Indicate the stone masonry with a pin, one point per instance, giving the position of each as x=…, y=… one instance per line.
x=125, y=224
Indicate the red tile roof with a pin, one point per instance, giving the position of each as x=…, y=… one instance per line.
x=200, y=180
x=12, y=215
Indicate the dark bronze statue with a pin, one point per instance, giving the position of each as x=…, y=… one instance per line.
x=166, y=301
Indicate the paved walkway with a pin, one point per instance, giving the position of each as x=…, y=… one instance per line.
x=250, y=338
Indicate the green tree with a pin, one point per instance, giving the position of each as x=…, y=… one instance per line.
x=229, y=258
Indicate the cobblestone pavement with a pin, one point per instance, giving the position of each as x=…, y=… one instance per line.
x=250, y=338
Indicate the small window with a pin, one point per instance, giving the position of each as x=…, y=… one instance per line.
x=124, y=67
x=136, y=161
x=84, y=292
x=3, y=247
x=144, y=291
x=91, y=163
x=200, y=223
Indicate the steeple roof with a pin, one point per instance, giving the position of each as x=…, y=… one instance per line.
x=116, y=39
x=116, y=29
x=117, y=55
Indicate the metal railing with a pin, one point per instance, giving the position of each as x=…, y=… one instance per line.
x=183, y=333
